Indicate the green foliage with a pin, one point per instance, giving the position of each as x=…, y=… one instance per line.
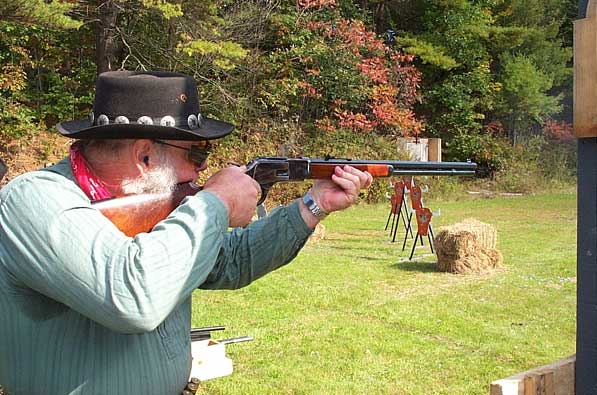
x=321, y=66
x=491, y=153
x=476, y=57
x=51, y=14
x=461, y=27
x=168, y=10
x=459, y=104
x=45, y=77
x=427, y=52
x=524, y=97
x=223, y=54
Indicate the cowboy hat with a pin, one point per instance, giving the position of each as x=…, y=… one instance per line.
x=145, y=104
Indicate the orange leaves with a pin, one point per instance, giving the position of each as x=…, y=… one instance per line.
x=354, y=121
x=559, y=130
x=369, y=87
x=375, y=69
x=352, y=35
x=309, y=89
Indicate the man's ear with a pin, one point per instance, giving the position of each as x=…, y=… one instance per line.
x=142, y=154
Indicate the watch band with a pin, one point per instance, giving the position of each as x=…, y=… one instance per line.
x=314, y=207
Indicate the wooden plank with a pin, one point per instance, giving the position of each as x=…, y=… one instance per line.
x=585, y=78
x=554, y=379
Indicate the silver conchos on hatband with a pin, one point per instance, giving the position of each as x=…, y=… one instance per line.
x=192, y=121
x=145, y=120
x=103, y=120
x=167, y=121
x=121, y=119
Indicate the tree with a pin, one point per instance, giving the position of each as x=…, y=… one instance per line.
x=336, y=73
x=24, y=24
x=38, y=12
x=524, y=98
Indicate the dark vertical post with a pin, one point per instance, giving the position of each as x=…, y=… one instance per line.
x=585, y=73
x=586, y=311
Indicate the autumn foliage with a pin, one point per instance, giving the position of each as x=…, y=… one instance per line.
x=391, y=79
x=343, y=75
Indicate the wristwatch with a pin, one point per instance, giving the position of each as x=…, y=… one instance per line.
x=314, y=207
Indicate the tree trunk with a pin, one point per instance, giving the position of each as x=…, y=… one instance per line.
x=106, y=36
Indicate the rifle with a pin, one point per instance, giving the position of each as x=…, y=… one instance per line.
x=135, y=214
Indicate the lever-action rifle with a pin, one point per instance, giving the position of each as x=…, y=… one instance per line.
x=135, y=214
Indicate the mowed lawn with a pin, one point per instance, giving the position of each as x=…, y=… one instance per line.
x=351, y=315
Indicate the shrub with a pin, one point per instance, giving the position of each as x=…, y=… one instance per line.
x=335, y=73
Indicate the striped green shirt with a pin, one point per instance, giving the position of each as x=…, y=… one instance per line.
x=87, y=310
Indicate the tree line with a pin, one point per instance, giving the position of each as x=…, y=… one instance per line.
x=487, y=76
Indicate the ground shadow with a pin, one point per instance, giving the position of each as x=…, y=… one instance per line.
x=424, y=265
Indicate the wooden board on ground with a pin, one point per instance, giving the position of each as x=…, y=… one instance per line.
x=554, y=379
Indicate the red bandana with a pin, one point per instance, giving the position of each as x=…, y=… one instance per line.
x=93, y=187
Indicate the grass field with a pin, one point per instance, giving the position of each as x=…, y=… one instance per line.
x=352, y=316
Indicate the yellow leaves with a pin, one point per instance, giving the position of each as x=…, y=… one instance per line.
x=223, y=53
x=167, y=9
x=12, y=78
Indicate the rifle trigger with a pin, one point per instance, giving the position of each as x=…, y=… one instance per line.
x=264, y=191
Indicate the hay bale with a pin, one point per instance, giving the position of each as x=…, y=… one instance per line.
x=467, y=247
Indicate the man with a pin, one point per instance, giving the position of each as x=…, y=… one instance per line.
x=88, y=310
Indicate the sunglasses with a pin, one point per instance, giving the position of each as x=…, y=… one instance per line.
x=197, y=153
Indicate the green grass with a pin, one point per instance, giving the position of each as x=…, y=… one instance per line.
x=352, y=316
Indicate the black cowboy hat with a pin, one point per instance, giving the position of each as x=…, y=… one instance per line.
x=151, y=105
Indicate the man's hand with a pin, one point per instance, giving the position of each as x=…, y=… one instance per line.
x=237, y=191
x=339, y=192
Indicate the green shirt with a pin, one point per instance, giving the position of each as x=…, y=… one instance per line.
x=88, y=310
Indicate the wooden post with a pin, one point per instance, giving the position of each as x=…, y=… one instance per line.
x=434, y=150
x=585, y=128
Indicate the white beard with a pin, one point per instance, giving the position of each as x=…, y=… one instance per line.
x=161, y=179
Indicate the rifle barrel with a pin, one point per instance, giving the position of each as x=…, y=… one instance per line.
x=323, y=168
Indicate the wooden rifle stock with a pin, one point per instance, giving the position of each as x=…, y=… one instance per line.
x=136, y=214
x=325, y=170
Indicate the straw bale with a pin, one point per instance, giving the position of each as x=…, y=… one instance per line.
x=467, y=247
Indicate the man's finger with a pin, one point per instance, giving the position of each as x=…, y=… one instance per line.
x=364, y=177
x=347, y=174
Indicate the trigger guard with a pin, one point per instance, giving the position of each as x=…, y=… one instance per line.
x=264, y=191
